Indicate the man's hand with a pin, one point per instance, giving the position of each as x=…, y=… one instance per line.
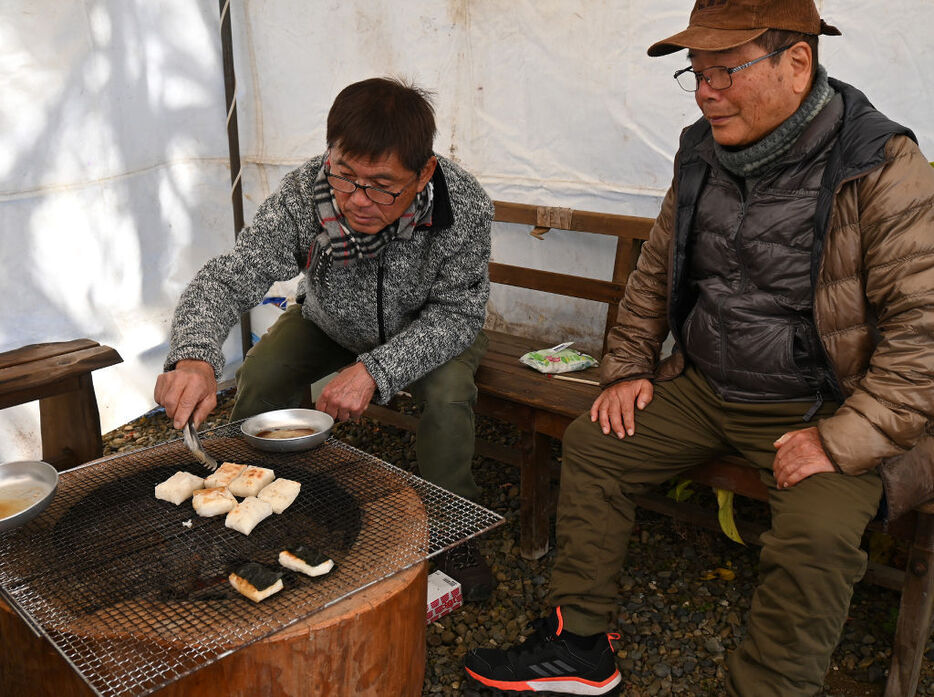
x=614, y=406
x=800, y=454
x=190, y=388
x=347, y=395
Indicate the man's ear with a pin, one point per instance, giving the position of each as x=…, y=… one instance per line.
x=801, y=61
x=427, y=172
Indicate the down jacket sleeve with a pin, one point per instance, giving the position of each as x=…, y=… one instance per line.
x=634, y=343
x=890, y=402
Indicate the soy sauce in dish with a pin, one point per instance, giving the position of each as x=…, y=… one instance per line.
x=18, y=497
x=286, y=432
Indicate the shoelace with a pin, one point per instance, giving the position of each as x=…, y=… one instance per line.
x=541, y=635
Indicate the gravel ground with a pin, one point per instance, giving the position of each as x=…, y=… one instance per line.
x=677, y=623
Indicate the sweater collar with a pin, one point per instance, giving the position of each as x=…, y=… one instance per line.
x=442, y=214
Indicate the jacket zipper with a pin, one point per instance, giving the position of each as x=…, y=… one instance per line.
x=814, y=407
x=379, y=301
x=742, y=274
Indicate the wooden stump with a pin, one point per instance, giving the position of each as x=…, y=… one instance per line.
x=370, y=644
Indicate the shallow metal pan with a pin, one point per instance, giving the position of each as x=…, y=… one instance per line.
x=26, y=489
x=290, y=419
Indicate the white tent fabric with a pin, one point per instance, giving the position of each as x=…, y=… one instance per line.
x=114, y=182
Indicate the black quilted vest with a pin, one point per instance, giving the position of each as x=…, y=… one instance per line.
x=745, y=263
x=748, y=270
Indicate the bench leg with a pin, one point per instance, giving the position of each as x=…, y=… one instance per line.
x=71, y=426
x=914, y=613
x=534, y=501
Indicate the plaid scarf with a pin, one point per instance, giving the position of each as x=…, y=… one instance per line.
x=337, y=243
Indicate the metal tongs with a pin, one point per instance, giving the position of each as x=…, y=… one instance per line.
x=194, y=445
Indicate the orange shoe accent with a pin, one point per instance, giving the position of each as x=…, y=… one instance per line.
x=560, y=621
x=582, y=681
x=517, y=686
x=530, y=685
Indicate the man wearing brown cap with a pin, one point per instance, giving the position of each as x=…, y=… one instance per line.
x=793, y=263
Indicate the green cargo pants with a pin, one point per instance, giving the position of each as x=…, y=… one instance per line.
x=810, y=558
x=295, y=352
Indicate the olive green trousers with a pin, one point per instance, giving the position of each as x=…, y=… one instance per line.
x=810, y=557
x=295, y=352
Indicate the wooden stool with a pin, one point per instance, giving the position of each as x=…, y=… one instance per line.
x=370, y=644
x=59, y=376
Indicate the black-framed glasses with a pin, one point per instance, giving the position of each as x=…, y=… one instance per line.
x=374, y=193
x=719, y=77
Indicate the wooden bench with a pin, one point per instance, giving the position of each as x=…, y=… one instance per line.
x=59, y=376
x=542, y=407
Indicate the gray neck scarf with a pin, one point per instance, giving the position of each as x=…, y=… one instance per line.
x=338, y=243
x=755, y=159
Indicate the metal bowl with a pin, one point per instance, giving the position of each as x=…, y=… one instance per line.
x=26, y=488
x=287, y=418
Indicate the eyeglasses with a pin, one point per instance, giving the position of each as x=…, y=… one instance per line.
x=719, y=77
x=374, y=193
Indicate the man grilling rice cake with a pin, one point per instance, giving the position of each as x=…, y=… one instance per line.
x=793, y=262
x=393, y=242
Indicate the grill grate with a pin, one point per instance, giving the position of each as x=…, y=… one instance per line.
x=134, y=600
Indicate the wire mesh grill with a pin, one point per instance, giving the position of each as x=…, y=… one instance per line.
x=135, y=599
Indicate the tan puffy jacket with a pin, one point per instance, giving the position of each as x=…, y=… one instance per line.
x=873, y=308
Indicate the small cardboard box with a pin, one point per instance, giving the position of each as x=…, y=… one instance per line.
x=444, y=595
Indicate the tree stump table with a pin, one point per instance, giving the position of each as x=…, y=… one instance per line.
x=370, y=644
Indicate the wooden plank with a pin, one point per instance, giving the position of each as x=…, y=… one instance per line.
x=520, y=415
x=70, y=425
x=913, y=627
x=733, y=474
x=534, y=495
x=21, y=380
x=553, y=425
x=624, y=262
x=557, y=283
x=407, y=422
x=567, y=399
x=695, y=514
x=38, y=352
x=391, y=417
x=626, y=226
x=12, y=398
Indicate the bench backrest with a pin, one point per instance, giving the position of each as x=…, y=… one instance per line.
x=628, y=230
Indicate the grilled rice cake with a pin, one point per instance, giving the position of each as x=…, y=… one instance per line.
x=251, y=481
x=214, y=501
x=280, y=494
x=248, y=514
x=255, y=581
x=306, y=561
x=179, y=487
x=223, y=475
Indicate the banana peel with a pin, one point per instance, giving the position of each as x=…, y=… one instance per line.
x=719, y=573
x=725, y=515
x=681, y=492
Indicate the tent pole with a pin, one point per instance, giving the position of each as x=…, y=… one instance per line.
x=233, y=145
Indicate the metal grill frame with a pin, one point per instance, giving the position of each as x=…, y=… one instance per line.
x=137, y=645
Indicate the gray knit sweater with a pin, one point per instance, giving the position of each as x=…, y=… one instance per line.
x=434, y=285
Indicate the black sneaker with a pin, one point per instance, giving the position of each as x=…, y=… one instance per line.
x=466, y=565
x=548, y=661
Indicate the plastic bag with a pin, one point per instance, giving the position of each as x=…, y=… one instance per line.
x=558, y=359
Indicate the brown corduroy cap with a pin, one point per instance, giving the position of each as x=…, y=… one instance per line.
x=717, y=25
